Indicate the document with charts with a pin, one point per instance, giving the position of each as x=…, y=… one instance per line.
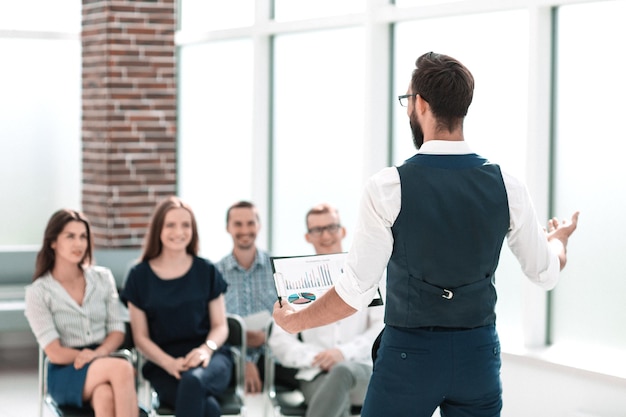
x=300, y=280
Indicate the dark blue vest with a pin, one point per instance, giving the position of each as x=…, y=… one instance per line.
x=447, y=241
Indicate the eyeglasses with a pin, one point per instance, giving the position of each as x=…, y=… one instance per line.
x=404, y=100
x=331, y=228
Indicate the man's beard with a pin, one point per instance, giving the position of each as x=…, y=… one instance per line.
x=416, y=129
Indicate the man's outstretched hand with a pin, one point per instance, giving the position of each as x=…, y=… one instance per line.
x=558, y=234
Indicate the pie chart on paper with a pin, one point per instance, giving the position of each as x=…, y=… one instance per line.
x=301, y=298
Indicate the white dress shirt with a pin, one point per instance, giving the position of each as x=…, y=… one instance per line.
x=380, y=205
x=53, y=314
x=353, y=336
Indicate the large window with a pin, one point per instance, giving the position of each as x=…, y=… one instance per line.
x=39, y=16
x=215, y=135
x=40, y=159
x=278, y=101
x=496, y=123
x=315, y=114
x=588, y=307
x=318, y=131
x=410, y=3
x=285, y=10
x=204, y=16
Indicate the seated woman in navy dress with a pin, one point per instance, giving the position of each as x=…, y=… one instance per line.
x=75, y=313
x=178, y=316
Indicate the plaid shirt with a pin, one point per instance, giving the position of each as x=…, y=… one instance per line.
x=249, y=291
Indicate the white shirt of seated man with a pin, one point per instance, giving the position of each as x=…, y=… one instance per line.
x=349, y=339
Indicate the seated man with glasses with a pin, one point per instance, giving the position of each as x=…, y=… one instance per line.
x=324, y=230
x=334, y=361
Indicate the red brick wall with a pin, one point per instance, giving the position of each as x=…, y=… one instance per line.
x=129, y=115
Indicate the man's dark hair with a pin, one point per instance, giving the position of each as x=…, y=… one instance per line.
x=447, y=86
x=240, y=204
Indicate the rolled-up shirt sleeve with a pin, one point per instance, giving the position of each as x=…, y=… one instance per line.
x=373, y=240
x=527, y=239
x=39, y=315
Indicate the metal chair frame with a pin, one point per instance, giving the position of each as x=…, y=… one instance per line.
x=45, y=399
x=283, y=401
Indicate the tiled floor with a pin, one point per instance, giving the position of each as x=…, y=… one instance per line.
x=18, y=386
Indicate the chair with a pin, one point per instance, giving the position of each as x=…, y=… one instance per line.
x=286, y=400
x=232, y=400
x=67, y=411
x=126, y=351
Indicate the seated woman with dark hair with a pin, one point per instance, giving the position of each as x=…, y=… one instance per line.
x=74, y=311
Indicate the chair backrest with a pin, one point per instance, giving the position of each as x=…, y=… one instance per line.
x=236, y=331
x=284, y=396
x=128, y=342
x=232, y=401
x=237, y=342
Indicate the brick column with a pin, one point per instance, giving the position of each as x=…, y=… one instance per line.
x=128, y=115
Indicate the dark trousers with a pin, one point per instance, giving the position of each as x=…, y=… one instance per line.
x=194, y=395
x=418, y=370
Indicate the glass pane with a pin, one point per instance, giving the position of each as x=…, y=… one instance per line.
x=588, y=304
x=215, y=135
x=413, y=3
x=285, y=10
x=41, y=15
x=495, y=61
x=205, y=16
x=318, y=131
x=40, y=142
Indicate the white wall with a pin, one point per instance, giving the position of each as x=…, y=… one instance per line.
x=536, y=388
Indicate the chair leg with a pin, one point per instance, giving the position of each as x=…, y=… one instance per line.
x=40, y=381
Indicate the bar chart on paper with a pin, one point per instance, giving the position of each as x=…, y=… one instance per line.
x=317, y=277
x=302, y=279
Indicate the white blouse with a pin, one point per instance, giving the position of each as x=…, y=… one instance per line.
x=53, y=314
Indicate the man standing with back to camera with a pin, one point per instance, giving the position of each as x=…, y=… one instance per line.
x=438, y=223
